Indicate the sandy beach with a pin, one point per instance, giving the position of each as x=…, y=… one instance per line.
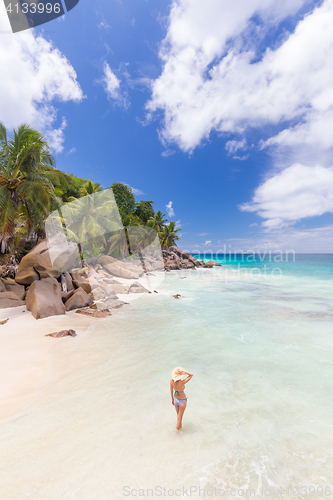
x=26, y=354
x=28, y=358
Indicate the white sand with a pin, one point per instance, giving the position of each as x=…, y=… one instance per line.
x=26, y=358
x=25, y=354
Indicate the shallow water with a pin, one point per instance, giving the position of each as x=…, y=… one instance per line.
x=260, y=409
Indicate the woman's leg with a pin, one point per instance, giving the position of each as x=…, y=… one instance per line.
x=180, y=415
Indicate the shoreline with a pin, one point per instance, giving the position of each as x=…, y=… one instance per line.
x=26, y=352
x=28, y=360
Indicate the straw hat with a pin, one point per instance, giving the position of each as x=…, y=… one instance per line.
x=177, y=373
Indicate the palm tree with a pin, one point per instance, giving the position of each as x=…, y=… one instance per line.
x=119, y=240
x=169, y=235
x=88, y=220
x=26, y=183
x=157, y=222
x=90, y=188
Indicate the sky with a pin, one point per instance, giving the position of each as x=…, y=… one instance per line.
x=220, y=112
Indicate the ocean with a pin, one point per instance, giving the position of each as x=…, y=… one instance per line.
x=257, y=335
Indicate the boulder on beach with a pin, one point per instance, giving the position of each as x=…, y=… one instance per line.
x=123, y=269
x=78, y=275
x=93, y=313
x=66, y=295
x=212, y=263
x=4, y=303
x=62, y=333
x=98, y=293
x=9, y=285
x=172, y=265
x=136, y=287
x=110, y=303
x=103, y=292
x=37, y=264
x=44, y=298
x=79, y=299
x=83, y=284
x=118, y=288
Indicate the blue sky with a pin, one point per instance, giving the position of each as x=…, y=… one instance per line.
x=223, y=108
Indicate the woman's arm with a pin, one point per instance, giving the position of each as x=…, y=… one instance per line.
x=190, y=375
x=171, y=389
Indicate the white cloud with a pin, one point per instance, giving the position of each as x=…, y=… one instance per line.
x=111, y=85
x=56, y=137
x=208, y=242
x=291, y=195
x=178, y=225
x=35, y=75
x=169, y=210
x=135, y=191
x=241, y=158
x=212, y=78
x=203, y=234
x=312, y=240
x=233, y=146
x=71, y=151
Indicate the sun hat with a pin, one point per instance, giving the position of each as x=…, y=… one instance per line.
x=177, y=373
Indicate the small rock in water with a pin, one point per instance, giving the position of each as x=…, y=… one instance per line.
x=62, y=333
x=155, y=291
x=177, y=296
x=4, y=321
x=93, y=313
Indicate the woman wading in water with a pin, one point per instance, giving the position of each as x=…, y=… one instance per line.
x=179, y=399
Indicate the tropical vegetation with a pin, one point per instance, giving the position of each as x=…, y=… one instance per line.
x=31, y=187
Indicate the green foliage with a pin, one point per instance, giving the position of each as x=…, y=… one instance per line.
x=125, y=199
x=169, y=236
x=72, y=188
x=31, y=187
x=27, y=182
x=144, y=210
x=157, y=221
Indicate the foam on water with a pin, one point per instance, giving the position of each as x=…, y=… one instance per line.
x=259, y=408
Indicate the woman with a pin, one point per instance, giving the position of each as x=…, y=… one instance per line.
x=179, y=398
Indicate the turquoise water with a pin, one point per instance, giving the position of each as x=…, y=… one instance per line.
x=316, y=265
x=260, y=406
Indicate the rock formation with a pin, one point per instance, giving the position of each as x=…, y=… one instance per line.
x=44, y=298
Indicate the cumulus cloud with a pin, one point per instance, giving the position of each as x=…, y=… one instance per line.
x=291, y=195
x=215, y=78
x=311, y=240
x=111, y=85
x=56, y=137
x=35, y=74
x=233, y=146
x=169, y=210
x=208, y=242
x=135, y=191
